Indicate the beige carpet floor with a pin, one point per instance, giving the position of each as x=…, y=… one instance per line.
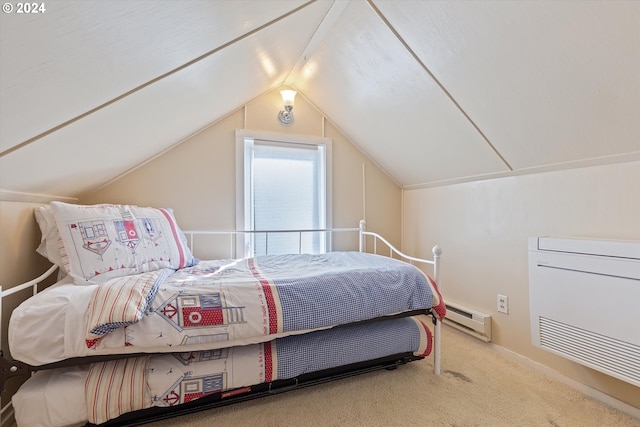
x=468, y=393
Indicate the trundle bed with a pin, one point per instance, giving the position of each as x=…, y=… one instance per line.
x=137, y=329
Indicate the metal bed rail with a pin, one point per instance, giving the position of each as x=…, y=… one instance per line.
x=234, y=234
x=435, y=262
x=437, y=252
x=11, y=369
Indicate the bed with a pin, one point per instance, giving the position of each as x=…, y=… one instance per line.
x=133, y=304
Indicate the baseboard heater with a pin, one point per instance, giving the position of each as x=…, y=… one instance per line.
x=583, y=297
x=469, y=321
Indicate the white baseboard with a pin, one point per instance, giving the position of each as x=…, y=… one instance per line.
x=591, y=392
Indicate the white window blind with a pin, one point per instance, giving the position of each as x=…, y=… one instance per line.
x=285, y=188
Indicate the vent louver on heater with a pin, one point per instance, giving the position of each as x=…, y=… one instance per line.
x=469, y=321
x=583, y=297
x=618, y=358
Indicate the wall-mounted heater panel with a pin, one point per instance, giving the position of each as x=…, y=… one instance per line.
x=469, y=321
x=585, y=302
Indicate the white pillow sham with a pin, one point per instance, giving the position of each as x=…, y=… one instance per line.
x=50, y=241
x=100, y=242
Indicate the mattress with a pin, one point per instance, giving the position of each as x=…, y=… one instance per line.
x=66, y=396
x=221, y=303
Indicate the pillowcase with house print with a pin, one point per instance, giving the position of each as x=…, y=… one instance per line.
x=100, y=242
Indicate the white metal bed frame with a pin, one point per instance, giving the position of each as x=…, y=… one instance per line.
x=6, y=411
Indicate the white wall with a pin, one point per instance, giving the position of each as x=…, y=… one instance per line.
x=483, y=228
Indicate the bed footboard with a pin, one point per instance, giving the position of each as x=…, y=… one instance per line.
x=435, y=263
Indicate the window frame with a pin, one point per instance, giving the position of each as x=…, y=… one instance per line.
x=242, y=198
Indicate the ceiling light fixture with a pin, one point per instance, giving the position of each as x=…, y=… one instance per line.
x=286, y=115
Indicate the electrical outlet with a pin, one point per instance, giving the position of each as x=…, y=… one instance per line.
x=503, y=304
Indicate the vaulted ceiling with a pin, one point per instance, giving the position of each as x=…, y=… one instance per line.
x=434, y=91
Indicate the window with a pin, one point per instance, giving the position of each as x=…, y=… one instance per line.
x=283, y=183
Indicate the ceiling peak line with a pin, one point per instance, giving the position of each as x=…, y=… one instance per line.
x=321, y=31
x=152, y=81
x=437, y=82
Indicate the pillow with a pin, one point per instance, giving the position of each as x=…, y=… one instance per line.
x=100, y=242
x=50, y=239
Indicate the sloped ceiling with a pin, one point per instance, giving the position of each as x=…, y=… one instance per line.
x=434, y=91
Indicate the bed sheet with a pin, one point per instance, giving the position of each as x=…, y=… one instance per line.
x=59, y=397
x=224, y=303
